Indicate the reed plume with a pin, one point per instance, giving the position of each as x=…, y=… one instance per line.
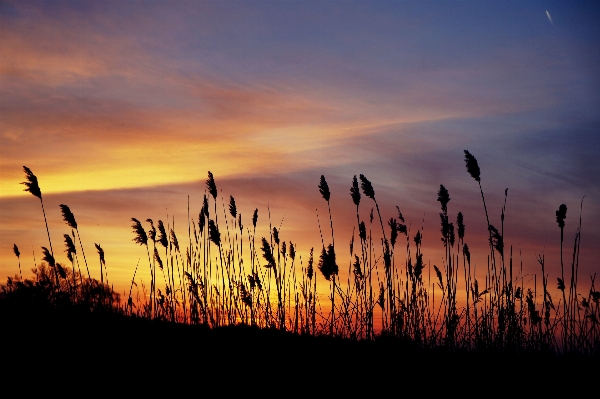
x=214, y=234
x=232, y=207
x=32, y=186
x=102, y=261
x=70, y=248
x=211, y=186
x=18, y=255
x=141, y=238
x=69, y=218
x=355, y=192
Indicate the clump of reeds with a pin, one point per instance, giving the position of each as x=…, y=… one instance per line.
x=384, y=292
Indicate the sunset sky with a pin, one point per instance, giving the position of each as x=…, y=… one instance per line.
x=121, y=109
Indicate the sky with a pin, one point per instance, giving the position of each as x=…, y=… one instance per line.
x=121, y=109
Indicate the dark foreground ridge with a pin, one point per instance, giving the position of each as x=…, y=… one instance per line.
x=123, y=349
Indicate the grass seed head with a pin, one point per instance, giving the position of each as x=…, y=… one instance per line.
x=162, y=234
x=174, y=240
x=267, y=253
x=561, y=215
x=496, y=240
x=16, y=251
x=71, y=250
x=355, y=192
x=327, y=263
x=460, y=226
x=394, y=231
x=367, y=187
x=467, y=253
x=140, y=234
x=68, y=216
x=32, y=183
x=400, y=214
x=255, y=218
x=472, y=166
x=211, y=186
x=232, y=207
x=48, y=258
x=443, y=198
x=100, y=253
x=152, y=231
x=158, y=259
x=324, y=189
x=205, y=208
x=362, y=231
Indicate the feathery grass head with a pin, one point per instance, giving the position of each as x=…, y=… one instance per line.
x=255, y=218
x=32, y=183
x=327, y=264
x=276, y=235
x=439, y=276
x=158, y=259
x=61, y=271
x=443, y=198
x=175, y=242
x=201, y=221
x=292, y=251
x=48, y=258
x=460, y=226
x=387, y=257
x=561, y=215
x=213, y=232
x=205, y=208
x=140, y=234
x=400, y=214
x=152, y=231
x=267, y=253
x=71, y=250
x=68, y=216
x=362, y=231
x=100, y=253
x=394, y=228
x=445, y=226
x=367, y=187
x=467, y=253
x=232, y=207
x=418, y=238
x=496, y=240
x=162, y=234
x=358, y=275
x=324, y=189
x=283, y=249
x=16, y=251
x=472, y=166
x=419, y=265
x=355, y=192
x=381, y=297
x=211, y=186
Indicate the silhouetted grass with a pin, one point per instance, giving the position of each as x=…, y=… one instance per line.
x=414, y=308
